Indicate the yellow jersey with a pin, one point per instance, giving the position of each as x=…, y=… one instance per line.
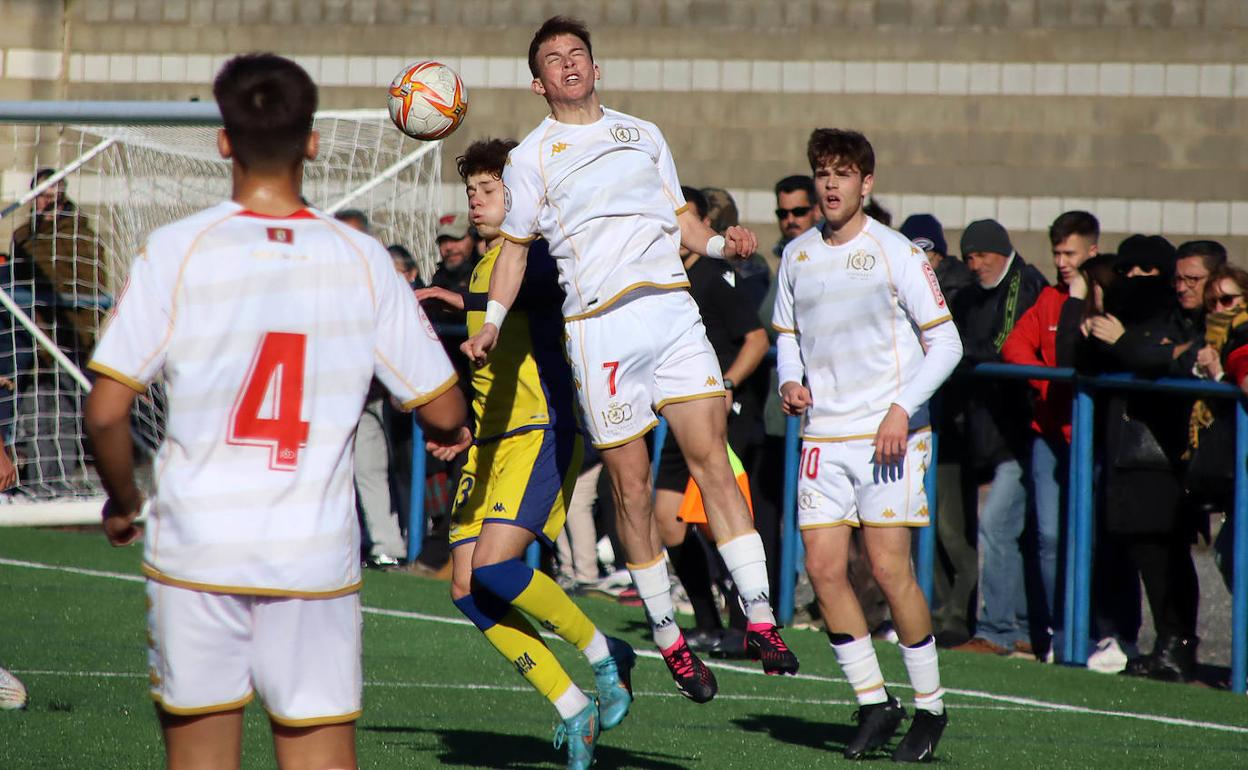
x=527, y=382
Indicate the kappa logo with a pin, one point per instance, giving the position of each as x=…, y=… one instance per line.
x=861, y=261
x=500, y=508
x=623, y=133
x=557, y=148
x=550, y=626
x=802, y=256
x=711, y=381
x=889, y=513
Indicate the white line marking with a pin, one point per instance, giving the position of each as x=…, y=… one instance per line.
x=1010, y=699
x=523, y=689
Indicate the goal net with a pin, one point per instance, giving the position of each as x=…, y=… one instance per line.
x=68, y=251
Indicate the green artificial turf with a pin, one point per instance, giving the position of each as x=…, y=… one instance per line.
x=437, y=694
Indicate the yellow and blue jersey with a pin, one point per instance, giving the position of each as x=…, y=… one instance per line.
x=527, y=382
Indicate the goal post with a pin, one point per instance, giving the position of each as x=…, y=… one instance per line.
x=123, y=169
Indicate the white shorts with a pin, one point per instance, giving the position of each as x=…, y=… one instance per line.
x=839, y=483
x=209, y=653
x=637, y=357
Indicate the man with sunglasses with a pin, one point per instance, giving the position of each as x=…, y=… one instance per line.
x=795, y=210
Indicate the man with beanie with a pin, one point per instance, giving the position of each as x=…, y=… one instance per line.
x=926, y=232
x=996, y=427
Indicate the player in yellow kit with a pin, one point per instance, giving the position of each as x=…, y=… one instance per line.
x=522, y=465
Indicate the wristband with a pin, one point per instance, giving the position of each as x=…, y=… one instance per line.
x=495, y=312
x=715, y=247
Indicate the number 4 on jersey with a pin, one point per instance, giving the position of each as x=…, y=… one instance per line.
x=267, y=410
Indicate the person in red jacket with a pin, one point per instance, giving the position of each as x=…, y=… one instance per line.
x=1033, y=342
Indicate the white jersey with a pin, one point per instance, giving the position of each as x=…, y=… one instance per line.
x=267, y=333
x=605, y=196
x=857, y=311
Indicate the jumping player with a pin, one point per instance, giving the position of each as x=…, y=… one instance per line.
x=519, y=477
x=865, y=340
x=267, y=321
x=601, y=188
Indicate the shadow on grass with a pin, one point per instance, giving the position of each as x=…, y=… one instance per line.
x=823, y=736
x=500, y=751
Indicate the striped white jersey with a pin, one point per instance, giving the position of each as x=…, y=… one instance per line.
x=605, y=196
x=857, y=311
x=267, y=333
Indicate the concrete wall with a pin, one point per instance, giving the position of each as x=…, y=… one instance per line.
x=1016, y=109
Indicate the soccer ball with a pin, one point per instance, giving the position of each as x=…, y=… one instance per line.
x=428, y=100
x=12, y=692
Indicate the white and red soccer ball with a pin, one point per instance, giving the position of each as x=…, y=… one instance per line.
x=427, y=100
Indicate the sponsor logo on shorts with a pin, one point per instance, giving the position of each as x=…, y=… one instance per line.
x=617, y=414
x=889, y=513
x=860, y=261
x=550, y=626
x=807, y=500
x=922, y=512
x=711, y=381
x=500, y=508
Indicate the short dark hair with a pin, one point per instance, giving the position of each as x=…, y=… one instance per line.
x=795, y=183
x=1081, y=223
x=1212, y=253
x=695, y=198
x=843, y=147
x=267, y=104
x=877, y=212
x=41, y=175
x=554, y=27
x=353, y=215
x=721, y=209
x=399, y=251
x=484, y=156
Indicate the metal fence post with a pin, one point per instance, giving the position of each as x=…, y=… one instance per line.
x=788, y=521
x=1083, y=514
x=416, y=507
x=1075, y=473
x=1239, y=576
x=925, y=558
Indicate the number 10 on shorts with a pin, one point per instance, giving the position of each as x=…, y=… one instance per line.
x=268, y=407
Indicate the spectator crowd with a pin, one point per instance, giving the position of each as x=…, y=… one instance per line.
x=1163, y=465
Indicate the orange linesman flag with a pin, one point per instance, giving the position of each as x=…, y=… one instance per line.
x=691, y=510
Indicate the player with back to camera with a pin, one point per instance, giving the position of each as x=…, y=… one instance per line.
x=865, y=339
x=601, y=188
x=267, y=321
x=519, y=476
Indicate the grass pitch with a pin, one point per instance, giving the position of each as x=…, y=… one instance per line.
x=436, y=694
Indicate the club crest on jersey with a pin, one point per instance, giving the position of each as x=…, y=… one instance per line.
x=860, y=261
x=280, y=234
x=623, y=133
x=808, y=500
x=506, y=196
x=933, y=283
x=617, y=413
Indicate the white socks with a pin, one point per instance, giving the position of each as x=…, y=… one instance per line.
x=924, y=675
x=747, y=562
x=862, y=669
x=571, y=703
x=597, y=649
x=655, y=589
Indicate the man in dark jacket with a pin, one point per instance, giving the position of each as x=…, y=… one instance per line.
x=997, y=418
x=957, y=565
